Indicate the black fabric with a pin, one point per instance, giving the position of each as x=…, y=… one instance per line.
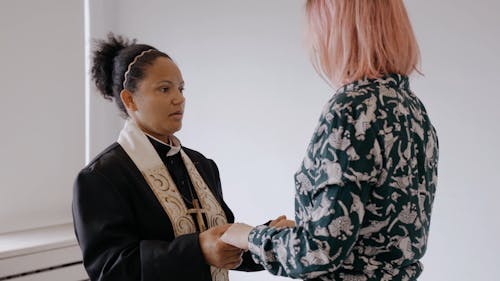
x=123, y=231
x=177, y=171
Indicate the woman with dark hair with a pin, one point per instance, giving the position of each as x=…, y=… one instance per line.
x=366, y=185
x=147, y=208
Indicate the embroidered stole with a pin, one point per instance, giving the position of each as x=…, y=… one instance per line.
x=141, y=151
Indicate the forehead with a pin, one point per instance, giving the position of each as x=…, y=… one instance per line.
x=163, y=69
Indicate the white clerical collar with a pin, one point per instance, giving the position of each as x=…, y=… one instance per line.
x=174, y=144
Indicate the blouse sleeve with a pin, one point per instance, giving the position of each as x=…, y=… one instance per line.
x=345, y=162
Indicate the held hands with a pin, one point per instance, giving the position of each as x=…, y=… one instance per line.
x=223, y=246
x=216, y=252
x=237, y=234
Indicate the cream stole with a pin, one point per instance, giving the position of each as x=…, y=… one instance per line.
x=147, y=160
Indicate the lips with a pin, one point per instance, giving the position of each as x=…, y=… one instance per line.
x=177, y=113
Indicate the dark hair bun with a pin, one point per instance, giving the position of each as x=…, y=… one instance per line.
x=103, y=62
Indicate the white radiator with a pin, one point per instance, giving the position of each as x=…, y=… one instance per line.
x=45, y=254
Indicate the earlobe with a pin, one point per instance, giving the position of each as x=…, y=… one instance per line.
x=128, y=100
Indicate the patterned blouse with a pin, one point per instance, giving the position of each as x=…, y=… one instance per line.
x=364, y=191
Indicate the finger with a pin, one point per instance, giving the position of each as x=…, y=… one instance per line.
x=231, y=254
x=232, y=258
x=225, y=246
x=234, y=263
x=285, y=224
x=277, y=220
x=237, y=264
x=222, y=228
x=231, y=251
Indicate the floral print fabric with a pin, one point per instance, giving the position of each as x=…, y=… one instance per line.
x=364, y=191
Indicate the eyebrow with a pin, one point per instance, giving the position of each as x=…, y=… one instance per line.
x=171, y=82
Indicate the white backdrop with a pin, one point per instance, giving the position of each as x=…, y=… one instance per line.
x=253, y=100
x=42, y=110
x=460, y=41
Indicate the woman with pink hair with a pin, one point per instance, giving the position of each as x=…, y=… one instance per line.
x=365, y=188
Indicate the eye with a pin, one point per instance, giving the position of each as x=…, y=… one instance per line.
x=181, y=89
x=164, y=89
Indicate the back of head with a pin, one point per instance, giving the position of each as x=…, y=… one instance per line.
x=119, y=63
x=356, y=39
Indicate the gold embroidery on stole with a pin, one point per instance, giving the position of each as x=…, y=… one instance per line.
x=166, y=192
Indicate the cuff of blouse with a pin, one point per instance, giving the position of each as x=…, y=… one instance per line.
x=255, y=242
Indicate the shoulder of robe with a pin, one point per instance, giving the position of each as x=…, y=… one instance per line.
x=110, y=158
x=195, y=155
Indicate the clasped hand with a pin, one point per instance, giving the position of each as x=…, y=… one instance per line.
x=223, y=255
x=216, y=252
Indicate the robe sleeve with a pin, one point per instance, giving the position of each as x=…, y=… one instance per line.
x=109, y=238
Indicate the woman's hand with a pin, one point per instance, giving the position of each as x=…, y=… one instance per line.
x=282, y=222
x=216, y=252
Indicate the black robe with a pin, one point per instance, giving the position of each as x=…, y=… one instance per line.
x=122, y=229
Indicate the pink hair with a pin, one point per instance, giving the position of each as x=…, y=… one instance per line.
x=356, y=39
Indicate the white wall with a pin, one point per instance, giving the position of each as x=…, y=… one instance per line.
x=253, y=101
x=104, y=121
x=460, y=41
x=42, y=110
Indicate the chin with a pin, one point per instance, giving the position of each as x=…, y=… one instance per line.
x=175, y=129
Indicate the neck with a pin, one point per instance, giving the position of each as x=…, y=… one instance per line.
x=165, y=138
x=170, y=140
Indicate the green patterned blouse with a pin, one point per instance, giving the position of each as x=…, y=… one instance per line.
x=364, y=191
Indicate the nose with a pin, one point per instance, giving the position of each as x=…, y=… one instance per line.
x=179, y=98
